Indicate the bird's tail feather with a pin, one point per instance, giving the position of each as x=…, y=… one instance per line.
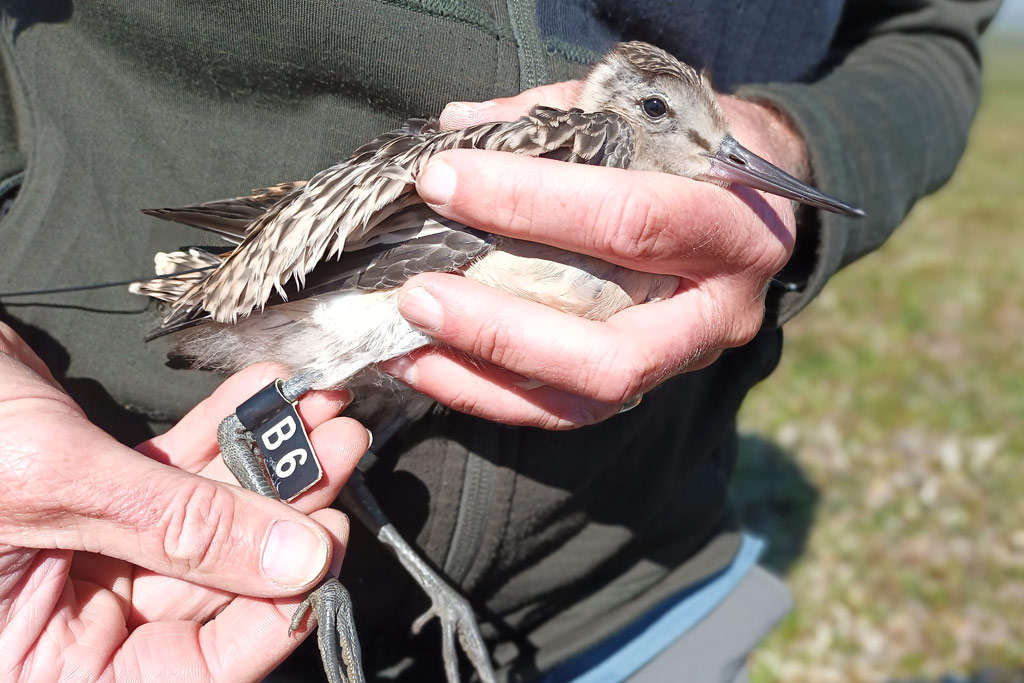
x=193, y=265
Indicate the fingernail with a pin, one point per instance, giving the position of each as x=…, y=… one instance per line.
x=339, y=553
x=461, y=114
x=403, y=369
x=471, y=106
x=336, y=562
x=338, y=396
x=294, y=554
x=421, y=309
x=436, y=184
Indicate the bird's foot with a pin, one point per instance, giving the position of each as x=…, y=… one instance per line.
x=336, y=631
x=453, y=611
x=456, y=619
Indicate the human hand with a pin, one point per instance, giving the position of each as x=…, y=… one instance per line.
x=119, y=566
x=556, y=371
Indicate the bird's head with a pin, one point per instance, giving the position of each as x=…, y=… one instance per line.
x=681, y=127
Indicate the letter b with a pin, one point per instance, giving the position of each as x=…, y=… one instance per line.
x=279, y=433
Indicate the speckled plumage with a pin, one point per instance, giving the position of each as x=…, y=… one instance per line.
x=349, y=206
x=358, y=229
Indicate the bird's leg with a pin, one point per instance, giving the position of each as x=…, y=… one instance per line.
x=330, y=602
x=452, y=610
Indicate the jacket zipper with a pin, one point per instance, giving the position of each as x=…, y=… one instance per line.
x=533, y=63
x=478, y=487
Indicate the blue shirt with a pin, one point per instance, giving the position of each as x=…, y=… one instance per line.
x=737, y=42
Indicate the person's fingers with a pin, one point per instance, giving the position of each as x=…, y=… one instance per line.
x=724, y=244
x=156, y=597
x=107, y=573
x=463, y=114
x=192, y=443
x=478, y=388
x=244, y=642
x=609, y=362
x=80, y=490
x=647, y=221
x=338, y=443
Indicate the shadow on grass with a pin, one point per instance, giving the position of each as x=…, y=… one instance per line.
x=775, y=500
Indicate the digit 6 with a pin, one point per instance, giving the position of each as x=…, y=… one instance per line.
x=286, y=465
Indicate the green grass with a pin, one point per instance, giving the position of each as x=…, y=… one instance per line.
x=885, y=458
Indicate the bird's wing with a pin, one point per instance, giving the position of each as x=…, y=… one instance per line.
x=352, y=205
x=229, y=218
x=232, y=218
x=378, y=267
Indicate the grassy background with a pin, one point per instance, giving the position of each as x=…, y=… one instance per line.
x=885, y=459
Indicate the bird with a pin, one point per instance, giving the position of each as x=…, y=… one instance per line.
x=311, y=275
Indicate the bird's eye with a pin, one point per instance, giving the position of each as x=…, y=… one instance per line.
x=654, y=107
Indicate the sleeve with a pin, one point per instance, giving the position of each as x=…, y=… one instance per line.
x=885, y=124
x=11, y=162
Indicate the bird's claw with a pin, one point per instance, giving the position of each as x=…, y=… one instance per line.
x=336, y=632
x=456, y=617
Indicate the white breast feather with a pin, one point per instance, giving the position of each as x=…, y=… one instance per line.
x=336, y=335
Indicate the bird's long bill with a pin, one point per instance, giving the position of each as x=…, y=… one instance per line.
x=734, y=163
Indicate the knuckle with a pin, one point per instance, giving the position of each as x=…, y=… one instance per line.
x=731, y=316
x=743, y=326
x=463, y=401
x=615, y=376
x=496, y=342
x=704, y=360
x=770, y=259
x=629, y=225
x=195, y=528
x=561, y=422
x=516, y=204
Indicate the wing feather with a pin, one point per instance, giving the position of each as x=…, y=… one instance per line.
x=351, y=205
x=228, y=218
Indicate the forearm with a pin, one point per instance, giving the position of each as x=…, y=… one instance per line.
x=883, y=128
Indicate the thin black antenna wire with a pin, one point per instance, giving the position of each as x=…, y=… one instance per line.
x=101, y=285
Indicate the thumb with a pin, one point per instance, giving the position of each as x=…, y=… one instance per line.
x=218, y=535
x=113, y=501
x=66, y=484
x=211, y=533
